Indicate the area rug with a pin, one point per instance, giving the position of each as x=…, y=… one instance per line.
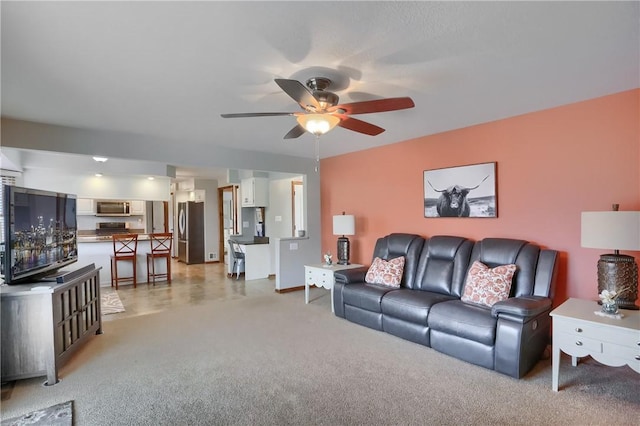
x=111, y=303
x=56, y=415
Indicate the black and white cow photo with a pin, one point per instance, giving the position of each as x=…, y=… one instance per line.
x=463, y=191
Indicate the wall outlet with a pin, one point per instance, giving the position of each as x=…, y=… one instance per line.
x=293, y=246
x=213, y=256
x=278, y=218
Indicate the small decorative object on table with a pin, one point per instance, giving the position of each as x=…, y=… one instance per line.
x=609, y=305
x=327, y=258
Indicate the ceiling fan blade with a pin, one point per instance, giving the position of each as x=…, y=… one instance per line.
x=378, y=105
x=298, y=92
x=256, y=114
x=296, y=132
x=359, y=126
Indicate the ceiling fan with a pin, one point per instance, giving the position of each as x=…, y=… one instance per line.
x=321, y=111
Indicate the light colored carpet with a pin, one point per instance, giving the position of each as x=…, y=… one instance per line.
x=273, y=360
x=110, y=302
x=56, y=415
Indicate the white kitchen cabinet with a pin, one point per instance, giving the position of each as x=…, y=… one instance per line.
x=254, y=192
x=187, y=185
x=136, y=207
x=85, y=206
x=197, y=195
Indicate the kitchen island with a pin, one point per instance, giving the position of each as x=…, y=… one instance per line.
x=98, y=250
x=257, y=258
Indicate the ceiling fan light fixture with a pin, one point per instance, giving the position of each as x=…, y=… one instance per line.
x=318, y=124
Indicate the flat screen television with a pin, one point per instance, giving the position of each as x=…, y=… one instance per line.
x=40, y=233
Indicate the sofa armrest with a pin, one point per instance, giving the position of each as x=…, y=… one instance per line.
x=522, y=307
x=350, y=276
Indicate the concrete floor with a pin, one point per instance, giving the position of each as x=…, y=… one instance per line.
x=190, y=285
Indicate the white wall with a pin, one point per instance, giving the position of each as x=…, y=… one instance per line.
x=105, y=187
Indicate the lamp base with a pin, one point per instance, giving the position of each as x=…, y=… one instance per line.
x=619, y=273
x=343, y=250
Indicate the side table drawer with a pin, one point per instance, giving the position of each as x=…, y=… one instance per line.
x=615, y=335
x=318, y=277
x=576, y=344
x=625, y=352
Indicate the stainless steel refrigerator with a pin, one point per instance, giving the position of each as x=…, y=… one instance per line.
x=191, y=232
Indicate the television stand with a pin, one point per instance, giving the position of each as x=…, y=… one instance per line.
x=42, y=324
x=61, y=276
x=53, y=277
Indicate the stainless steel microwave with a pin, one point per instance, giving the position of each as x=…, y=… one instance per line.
x=113, y=208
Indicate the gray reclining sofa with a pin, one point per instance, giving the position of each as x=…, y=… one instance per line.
x=509, y=337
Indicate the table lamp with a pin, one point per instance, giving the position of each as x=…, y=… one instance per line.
x=617, y=230
x=343, y=224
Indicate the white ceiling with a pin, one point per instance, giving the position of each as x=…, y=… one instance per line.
x=171, y=68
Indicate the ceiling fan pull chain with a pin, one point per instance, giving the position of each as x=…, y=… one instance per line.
x=317, y=152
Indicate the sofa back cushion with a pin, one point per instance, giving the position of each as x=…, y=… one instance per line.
x=443, y=265
x=397, y=245
x=503, y=251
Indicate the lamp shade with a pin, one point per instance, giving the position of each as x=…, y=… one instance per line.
x=344, y=224
x=615, y=230
x=318, y=124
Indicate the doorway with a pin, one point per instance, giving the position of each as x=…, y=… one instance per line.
x=229, y=217
x=297, y=206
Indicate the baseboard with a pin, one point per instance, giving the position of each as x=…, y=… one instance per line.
x=212, y=261
x=290, y=289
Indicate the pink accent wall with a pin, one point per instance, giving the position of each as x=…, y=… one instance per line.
x=551, y=166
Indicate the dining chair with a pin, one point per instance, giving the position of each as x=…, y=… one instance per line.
x=238, y=258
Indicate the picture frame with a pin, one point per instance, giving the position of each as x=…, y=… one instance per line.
x=461, y=191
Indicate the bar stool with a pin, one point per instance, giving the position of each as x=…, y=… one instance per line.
x=160, y=248
x=125, y=247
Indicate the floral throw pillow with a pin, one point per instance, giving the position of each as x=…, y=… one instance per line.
x=486, y=286
x=386, y=272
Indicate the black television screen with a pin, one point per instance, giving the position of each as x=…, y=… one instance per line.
x=40, y=233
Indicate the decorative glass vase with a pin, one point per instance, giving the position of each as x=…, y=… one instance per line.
x=610, y=307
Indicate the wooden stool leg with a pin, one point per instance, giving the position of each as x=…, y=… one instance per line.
x=148, y=276
x=112, y=272
x=115, y=271
x=168, y=269
x=153, y=269
x=135, y=278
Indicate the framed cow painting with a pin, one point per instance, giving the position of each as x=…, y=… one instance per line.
x=462, y=191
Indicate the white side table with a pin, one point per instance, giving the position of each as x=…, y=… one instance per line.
x=579, y=332
x=321, y=275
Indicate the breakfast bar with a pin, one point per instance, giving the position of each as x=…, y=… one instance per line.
x=98, y=250
x=257, y=258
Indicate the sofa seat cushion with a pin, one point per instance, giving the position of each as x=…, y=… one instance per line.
x=365, y=296
x=469, y=321
x=411, y=305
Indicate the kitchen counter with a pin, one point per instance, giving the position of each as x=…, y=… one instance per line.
x=254, y=241
x=251, y=243
x=105, y=238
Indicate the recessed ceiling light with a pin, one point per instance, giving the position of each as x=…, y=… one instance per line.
x=151, y=178
x=98, y=174
x=100, y=159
